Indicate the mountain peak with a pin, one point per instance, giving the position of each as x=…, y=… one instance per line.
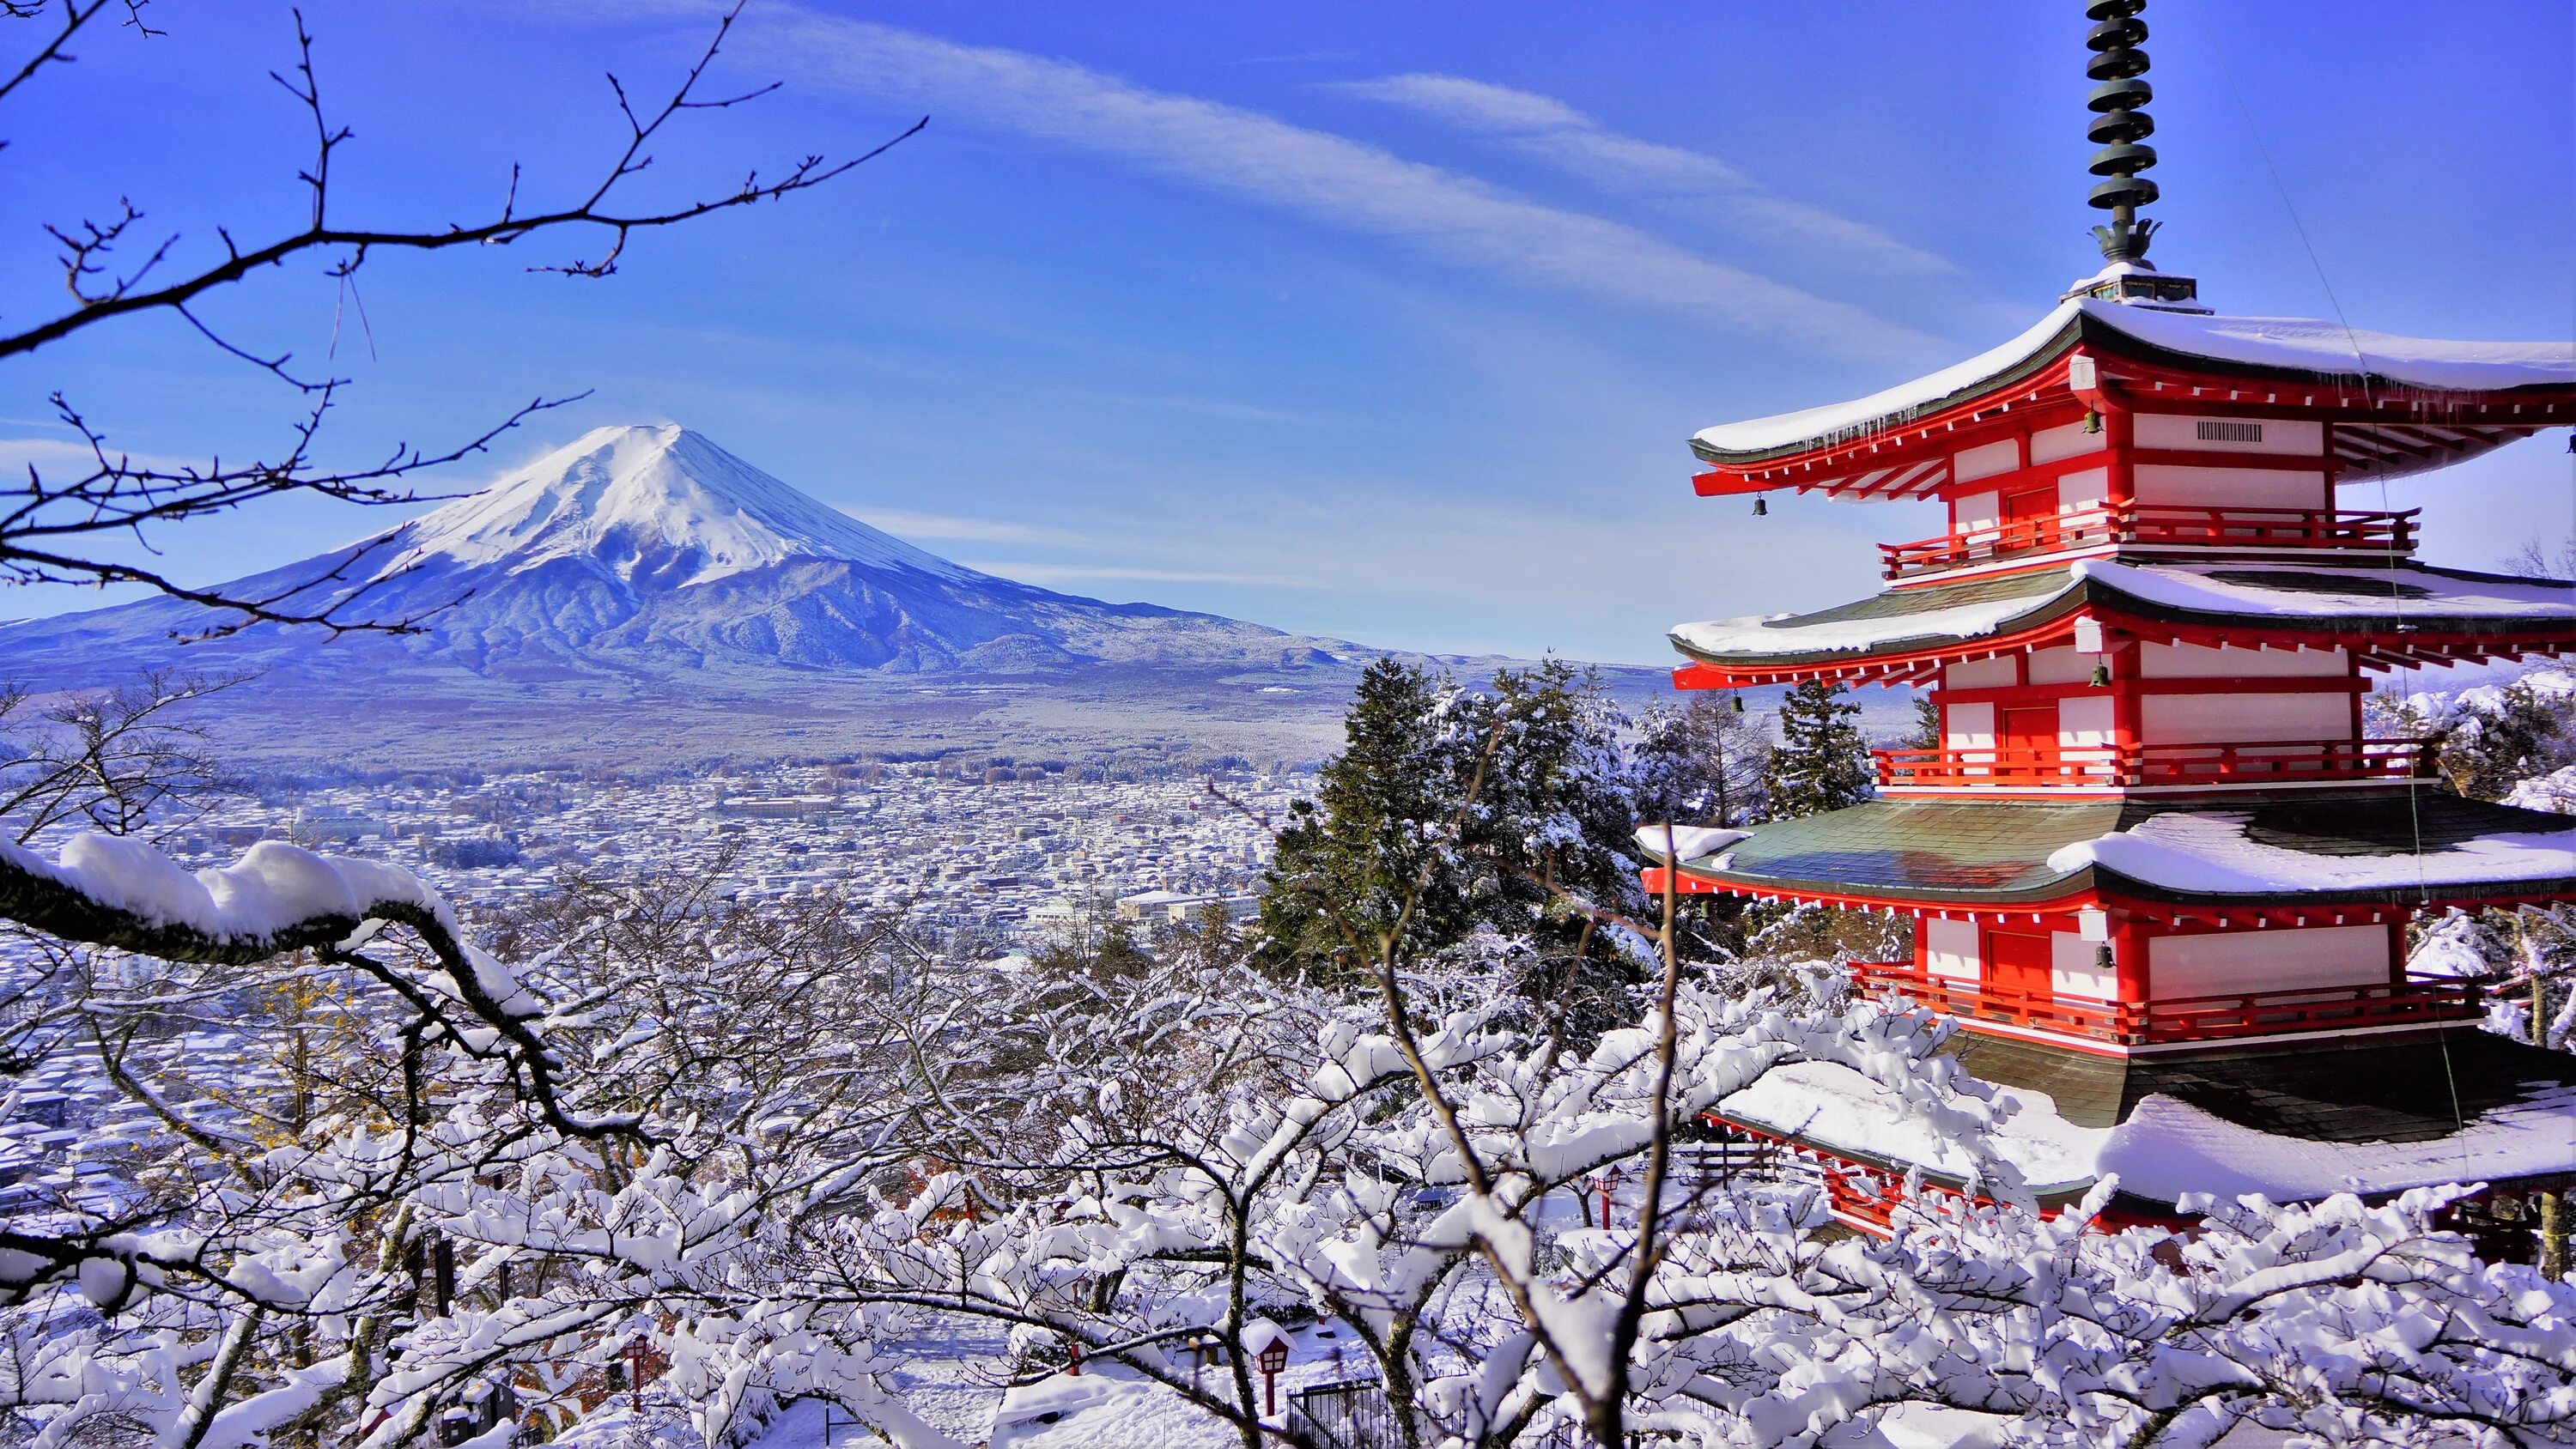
x=655, y=501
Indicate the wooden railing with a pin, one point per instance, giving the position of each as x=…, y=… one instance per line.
x=2191, y=1018
x=2112, y=767
x=2300, y=528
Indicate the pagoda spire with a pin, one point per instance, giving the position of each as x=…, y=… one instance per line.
x=2120, y=126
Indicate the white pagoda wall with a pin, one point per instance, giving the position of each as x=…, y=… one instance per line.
x=2181, y=485
x=2201, y=661
x=2050, y=445
x=1968, y=727
x=2075, y=968
x=2219, y=719
x=2180, y=432
x=2229, y=962
x=1950, y=948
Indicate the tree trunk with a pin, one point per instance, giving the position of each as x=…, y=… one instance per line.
x=2553, y=1234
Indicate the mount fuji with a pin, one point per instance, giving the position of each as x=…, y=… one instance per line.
x=641, y=595
x=651, y=549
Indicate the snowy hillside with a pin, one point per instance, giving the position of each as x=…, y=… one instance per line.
x=650, y=548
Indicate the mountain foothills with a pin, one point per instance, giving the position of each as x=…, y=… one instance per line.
x=650, y=548
x=642, y=593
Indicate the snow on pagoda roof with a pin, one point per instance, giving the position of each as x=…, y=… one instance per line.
x=2216, y=854
x=2352, y=599
x=2368, y=848
x=2275, y=345
x=2167, y=1147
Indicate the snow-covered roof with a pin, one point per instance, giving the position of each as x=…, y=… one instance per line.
x=2363, y=847
x=2326, y=599
x=2277, y=346
x=2166, y=1147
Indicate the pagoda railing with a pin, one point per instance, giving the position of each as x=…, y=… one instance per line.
x=2114, y=767
x=2173, y=1019
x=2300, y=528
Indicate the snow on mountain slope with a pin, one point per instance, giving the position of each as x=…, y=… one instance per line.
x=663, y=502
x=651, y=549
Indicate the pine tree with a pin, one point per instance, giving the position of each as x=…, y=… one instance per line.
x=1702, y=764
x=1557, y=801
x=1377, y=830
x=1927, y=725
x=1822, y=760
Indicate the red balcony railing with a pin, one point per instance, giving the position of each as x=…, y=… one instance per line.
x=2156, y=523
x=2192, y=1018
x=2113, y=767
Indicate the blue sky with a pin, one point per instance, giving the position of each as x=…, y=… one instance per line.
x=1386, y=322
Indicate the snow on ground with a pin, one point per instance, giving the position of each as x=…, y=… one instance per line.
x=1110, y=1405
x=954, y=1373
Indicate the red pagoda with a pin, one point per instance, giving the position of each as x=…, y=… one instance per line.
x=2156, y=867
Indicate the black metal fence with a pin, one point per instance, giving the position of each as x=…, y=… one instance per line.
x=1352, y=1414
x=1355, y=1414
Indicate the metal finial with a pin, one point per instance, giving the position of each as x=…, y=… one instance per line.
x=2120, y=123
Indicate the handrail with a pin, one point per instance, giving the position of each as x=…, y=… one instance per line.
x=2157, y=523
x=2102, y=766
x=2187, y=1018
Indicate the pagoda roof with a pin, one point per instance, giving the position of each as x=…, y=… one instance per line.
x=2282, y=349
x=2395, y=609
x=2296, y=1122
x=2323, y=849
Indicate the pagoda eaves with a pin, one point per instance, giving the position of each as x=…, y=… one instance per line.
x=2394, y=405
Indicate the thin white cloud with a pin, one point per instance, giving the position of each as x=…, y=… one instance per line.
x=1329, y=179
x=1051, y=574
x=951, y=529
x=63, y=458
x=1561, y=136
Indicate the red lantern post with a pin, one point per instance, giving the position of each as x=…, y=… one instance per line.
x=1274, y=1358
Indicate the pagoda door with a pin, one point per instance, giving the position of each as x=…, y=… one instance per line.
x=2017, y=968
x=2027, y=511
x=2026, y=739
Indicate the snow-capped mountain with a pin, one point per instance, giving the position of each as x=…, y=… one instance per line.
x=651, y=549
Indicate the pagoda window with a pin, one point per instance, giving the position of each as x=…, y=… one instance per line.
x=2229, y=963
x=2203, y=661
x=2050, y=444
x=2306, y=439
x=1950, y=949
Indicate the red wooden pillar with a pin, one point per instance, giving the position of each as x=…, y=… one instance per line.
x=2129, y=956
x=2119, y=435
